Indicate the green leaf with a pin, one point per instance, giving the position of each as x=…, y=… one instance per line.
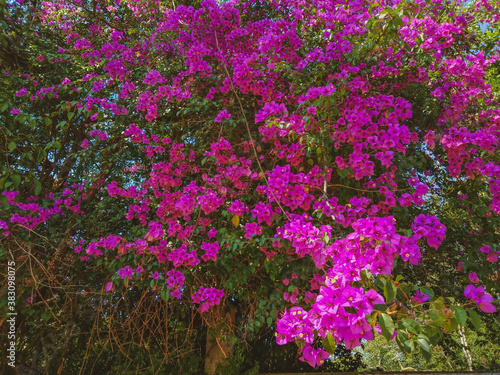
x=460, y=315
x=428, y=291
x=351, y=310
x=475, y=319
x=400, y=342
x=386, y=325
x=16, y=179
x=38, y=187
x=408, y=346
x=424, y=345
x=398, y=21
x=389, y=291
x=426, y=349
x=165, y=294
x=438, y=304
x=12, y=146
x=450, y=325
x=300, y=343
x=412, y=326
x=380, y=307
x=329, y=343
x=380, y=282
x=4, y=107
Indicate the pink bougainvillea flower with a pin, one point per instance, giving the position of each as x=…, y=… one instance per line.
x=473, y=277
x=479, y=295
x=126, y=273
x=223, y=115
x=492, y=257
x=485, y=249
x=315, y=357
x=207, y=297
x=22, y=92
x=420, y=297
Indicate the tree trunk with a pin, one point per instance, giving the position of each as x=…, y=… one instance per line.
x=218, y=348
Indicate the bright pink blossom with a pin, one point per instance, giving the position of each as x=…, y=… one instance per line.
x=478, y=295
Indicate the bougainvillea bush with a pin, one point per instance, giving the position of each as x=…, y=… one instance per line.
x=332, y=166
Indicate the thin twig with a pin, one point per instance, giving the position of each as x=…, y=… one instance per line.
x=408, y=311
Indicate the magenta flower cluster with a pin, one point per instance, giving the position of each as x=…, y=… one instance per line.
x=207, y=297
